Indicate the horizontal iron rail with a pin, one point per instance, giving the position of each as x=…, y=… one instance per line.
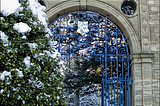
x=116, y=80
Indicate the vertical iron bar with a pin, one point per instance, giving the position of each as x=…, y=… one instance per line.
x=125, y=92
x=59, y=36
x=120, y=90
x=106, y=56
x=114, y=90
x=122, y=82
x=102, y=101
x=111, y=67
x=128, y=78
x=108, y=89
x=122, y=67
x=111, y=91
x=103, y=77
x=117, y=61
x=105, y=87
x=117, y=51
x=117, y=91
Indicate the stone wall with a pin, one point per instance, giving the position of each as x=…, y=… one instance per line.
x=142, y=29
x=153, y=6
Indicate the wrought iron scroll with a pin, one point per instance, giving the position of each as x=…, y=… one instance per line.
x=105, y=42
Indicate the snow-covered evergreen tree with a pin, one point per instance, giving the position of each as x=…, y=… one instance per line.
x=29, y=70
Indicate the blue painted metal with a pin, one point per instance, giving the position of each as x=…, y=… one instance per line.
x=105, y=41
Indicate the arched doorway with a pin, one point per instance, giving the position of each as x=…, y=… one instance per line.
x=93, y=37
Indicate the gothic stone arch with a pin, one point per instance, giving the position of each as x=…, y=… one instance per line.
x=139, y=60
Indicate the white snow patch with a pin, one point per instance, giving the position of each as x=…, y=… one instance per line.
x=36, y=83
x=23, y=37
x=1, y=91
x=10, y=6
x=19, y=97
x=58, y=97
x=8, y=95
x=34, y=23
x=48, y=35
x=19, y=73
x=32, y=46
x=63, y=67
x=38, y=11
x=52, y=54
x=4, y=37
x=27, y=61
x=47, y=95
x=1, y=18
x=5, y=73
x=8, y=50
x=37, y=98
x=23, y=101
x=59, y=87
x=19, y=84
x=21, y=27
x=14, y=89
x=50, y=43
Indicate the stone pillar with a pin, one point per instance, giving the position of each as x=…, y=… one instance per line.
x=147, y=78
x=137, y=85
x=142, y=79
x=146, y=56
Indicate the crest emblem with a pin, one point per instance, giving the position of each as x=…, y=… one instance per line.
x=83, y=27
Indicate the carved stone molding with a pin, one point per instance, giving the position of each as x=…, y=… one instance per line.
x=145, y=30
x=144, y=7
x=145, y=41
x=144, y=23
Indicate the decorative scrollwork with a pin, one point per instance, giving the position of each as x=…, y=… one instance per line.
x=122, y=50
x=111, y=50
x=102, y=36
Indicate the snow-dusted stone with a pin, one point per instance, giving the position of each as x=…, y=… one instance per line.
x=10, y=6
x=21, y=27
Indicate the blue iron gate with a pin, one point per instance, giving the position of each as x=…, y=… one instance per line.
x=93, y=35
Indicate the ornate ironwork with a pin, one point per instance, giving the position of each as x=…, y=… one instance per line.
x=103, y=41
x=128, y=7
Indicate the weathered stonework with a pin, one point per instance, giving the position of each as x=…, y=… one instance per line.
x=142, y=29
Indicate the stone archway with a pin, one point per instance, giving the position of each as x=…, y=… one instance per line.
x=104, y=9
x=117, y=17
